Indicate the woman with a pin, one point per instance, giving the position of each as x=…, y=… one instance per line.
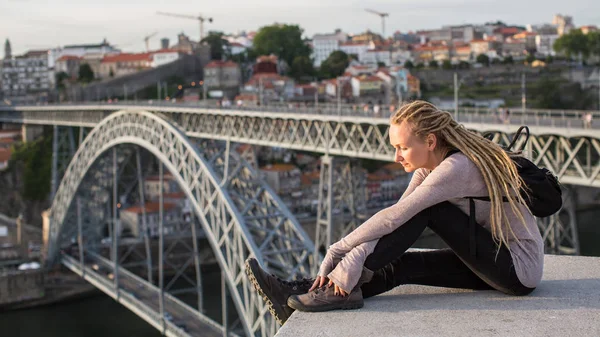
x=499, y=248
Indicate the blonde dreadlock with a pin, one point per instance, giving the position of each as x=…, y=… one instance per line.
x=498, y=170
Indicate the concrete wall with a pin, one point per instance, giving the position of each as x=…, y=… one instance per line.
x=497, y=74
x=188, y=66
x=31, y=132
x=20, y=286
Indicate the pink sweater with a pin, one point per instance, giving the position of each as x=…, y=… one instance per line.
x=454, y=179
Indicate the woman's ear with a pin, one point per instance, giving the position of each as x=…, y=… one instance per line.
x=431, y=141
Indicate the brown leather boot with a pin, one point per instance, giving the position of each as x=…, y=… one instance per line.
x=324, y=299
x=274, y=290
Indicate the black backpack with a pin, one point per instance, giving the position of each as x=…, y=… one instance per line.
x=542, y=191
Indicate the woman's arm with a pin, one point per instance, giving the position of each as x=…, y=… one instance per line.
x=456, y=177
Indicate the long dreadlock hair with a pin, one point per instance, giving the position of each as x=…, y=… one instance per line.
x=498, y=170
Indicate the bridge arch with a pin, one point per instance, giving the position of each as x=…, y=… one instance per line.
x=230, y=238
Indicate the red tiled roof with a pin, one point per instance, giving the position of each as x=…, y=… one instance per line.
x=36, y=53
x=353, y=43
x=174, y=195
x=369, y=78
x=4, y=155
x=150, y=207
x=278, y=168
x=166, y=176
x=124, y=57
x=221, y=64
x=10, y=132
x=68, y=57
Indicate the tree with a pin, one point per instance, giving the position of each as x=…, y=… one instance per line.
x=60, y=77
x=302, y=68
x=433, y=64
x=446, y=65
x=420, y=65
x=508, y=60
x=334, y=65
x=530, y=58
x=408, y=64
x=464, y=65
x=86, y=74
x=380, y=65
x=594, y=43
x=573, y=44
x=282, y=40
x=483, y=59
x=219, y=47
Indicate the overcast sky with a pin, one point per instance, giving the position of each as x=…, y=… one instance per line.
x=37, y=24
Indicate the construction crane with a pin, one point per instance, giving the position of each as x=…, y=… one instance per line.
x=147, y=38
x=200, y=19
x=383, y=16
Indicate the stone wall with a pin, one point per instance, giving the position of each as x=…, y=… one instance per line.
x=20, y=286
x=188, y=67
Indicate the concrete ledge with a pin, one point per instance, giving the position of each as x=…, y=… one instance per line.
x=567, y=303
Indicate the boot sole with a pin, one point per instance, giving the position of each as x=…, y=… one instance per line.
x=258, y=288
x=294, y=304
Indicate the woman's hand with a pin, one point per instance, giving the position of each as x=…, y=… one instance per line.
x=320, y=281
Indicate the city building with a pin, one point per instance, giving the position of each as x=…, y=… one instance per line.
x=164, y=56
x=366, y=37
x=237, y=48
x=152, y=186
x=269, y=87
x=80, y=50
x=124, y=64
x=325, y=44
x=224, y=75
x=132, y=223
x=514, y=48
x=367, y=87
x=462, y=54
x=285, y=180
x=428, y=53
x=68, y=64
x=528, y=38
x=28, y=79
x=355, y=48
x=544, y=44
x=4, y=157
x=563, y=24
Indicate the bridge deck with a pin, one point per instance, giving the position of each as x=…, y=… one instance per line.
x=567, y=303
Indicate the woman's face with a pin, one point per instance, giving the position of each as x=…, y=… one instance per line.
x=411, y=151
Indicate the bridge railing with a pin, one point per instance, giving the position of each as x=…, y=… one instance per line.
x=532, y=117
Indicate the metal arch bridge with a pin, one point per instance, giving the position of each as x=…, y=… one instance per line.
x=231, y=203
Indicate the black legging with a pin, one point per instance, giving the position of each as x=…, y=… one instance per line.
x=457, y=267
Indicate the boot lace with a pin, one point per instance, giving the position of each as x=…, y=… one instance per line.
x=299, y=283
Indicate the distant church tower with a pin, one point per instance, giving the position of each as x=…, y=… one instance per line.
x=7, y=50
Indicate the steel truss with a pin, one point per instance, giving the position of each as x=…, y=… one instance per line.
x=235, y=208
x=571, y=153
x=341, y=191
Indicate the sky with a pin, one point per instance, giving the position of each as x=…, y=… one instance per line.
x=44, y=24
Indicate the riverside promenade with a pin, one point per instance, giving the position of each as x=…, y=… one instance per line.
x=567, y=303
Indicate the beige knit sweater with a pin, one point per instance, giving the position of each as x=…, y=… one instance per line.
x=454, y=179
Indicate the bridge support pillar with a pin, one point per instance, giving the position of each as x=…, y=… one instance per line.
x=341, y=190
x=559, y=231
x=63, y=149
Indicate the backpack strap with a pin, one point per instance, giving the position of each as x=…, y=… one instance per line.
x=472, y=229
x=516, y=136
